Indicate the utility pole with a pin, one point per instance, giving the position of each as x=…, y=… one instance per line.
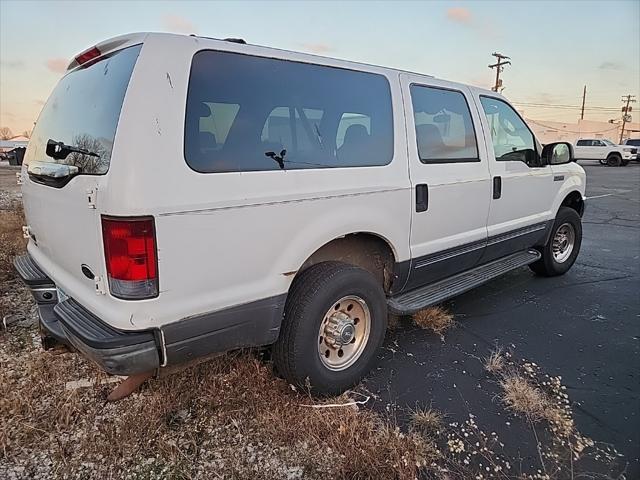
x=499, y=66
x=626, y=113
x=584, y=96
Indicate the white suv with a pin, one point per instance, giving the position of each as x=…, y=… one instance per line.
x=186, y=196
x=605, y=151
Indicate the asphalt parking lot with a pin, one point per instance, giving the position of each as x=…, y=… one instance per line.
x=584, y=326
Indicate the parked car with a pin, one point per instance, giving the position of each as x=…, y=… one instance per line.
x=219, y=195
x=634, y=143
x=605, y=151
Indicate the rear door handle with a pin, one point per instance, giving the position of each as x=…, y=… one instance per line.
x=497, y=187
x=422, y=197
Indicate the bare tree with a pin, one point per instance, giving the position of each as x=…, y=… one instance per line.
x=5, y=133
x=96, y=163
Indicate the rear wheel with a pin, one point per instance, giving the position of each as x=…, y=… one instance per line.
x=614, y=160
x=563, y=246
x=335, y=321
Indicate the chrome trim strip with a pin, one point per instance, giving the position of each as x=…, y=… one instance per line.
x=516, y=233
x=470, y=247
x=451, y=254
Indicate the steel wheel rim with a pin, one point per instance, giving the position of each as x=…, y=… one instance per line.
x=344, y=333
x=563, y=242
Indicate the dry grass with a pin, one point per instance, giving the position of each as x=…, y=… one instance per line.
x=434, y=318
x=426, y=420
x=11, y=244
x=521, y=397
x=230, y=414
x=495, y=362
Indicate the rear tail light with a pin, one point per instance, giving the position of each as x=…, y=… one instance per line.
x=88, y=55
x=131, y=256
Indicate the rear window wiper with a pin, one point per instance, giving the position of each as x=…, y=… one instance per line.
x=60, y=150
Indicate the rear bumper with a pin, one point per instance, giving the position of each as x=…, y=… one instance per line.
x=123, y=352
x=116, y=351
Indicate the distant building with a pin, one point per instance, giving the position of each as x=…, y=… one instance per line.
x=14, y=142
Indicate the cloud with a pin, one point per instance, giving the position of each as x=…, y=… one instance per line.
x=57, y=65
x=483, y=27
x=319, y=48
x=611, y=66
x=178, y=24
x=12, y=64
x=459, y=15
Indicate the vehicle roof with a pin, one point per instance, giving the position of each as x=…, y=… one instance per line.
x=248, y=48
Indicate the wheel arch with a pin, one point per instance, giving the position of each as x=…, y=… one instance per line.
x=575, y=201
x=368, y=250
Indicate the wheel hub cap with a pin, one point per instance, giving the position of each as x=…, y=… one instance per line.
x=340, y=330
x=563, y=242
x=344, y=333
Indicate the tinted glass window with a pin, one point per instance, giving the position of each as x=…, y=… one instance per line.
x=444, y=129
x=584, y=143
x=512, y=139
x=248, y=113
x=634, y=142
x=83, y=112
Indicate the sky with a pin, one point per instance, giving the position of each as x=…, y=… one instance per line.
x=556, y=47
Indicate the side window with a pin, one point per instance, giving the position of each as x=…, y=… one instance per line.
x=214, y=124
x=444, y=129
x=293, y=129
x=247, y=113
x=598, y=143
x=583, y=143
x=512, y=139
x=349, y=119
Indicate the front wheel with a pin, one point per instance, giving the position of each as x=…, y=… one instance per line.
x=614, y=160
x=335, y=321
x=563, y=246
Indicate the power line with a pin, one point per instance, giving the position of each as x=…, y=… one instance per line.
x=578, y=107
x=571, y=131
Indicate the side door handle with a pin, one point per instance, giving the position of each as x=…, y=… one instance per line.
x=422, y=197
x=497, y=187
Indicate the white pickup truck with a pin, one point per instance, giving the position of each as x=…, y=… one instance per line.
x=605, y=151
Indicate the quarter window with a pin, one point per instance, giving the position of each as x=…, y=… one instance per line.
x=512, y=139
x=247, y=113
x=444, y=129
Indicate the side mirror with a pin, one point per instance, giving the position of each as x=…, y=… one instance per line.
x=557, y=153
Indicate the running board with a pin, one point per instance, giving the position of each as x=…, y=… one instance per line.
x=415, y=300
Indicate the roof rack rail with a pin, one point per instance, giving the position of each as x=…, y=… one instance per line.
x=236, y=40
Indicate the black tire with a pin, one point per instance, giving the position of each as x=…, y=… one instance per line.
x=547, y=265
x=625, y=163
x=312, y=295
x=614, y=160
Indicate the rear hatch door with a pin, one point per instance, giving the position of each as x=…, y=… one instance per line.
x=67, y=163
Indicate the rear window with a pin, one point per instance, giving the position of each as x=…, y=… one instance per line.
x=247, y=113
x=83, y=112
x=634, y=142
